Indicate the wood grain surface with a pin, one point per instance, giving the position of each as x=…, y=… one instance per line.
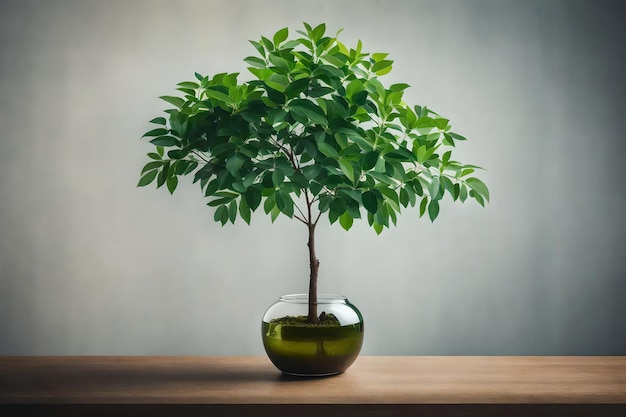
x=575, y=382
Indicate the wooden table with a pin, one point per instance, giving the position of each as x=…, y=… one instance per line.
x=373, y=386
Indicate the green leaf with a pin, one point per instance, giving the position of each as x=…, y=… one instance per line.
x=188, y=84
x=233, y=165
x=221, y=214
x=314, y=116
x=378, y=228
x=260, y=49
x=318, y=32
x=147, y=179
x=320, y=91
x=411, y=194
x=309, y=147
x=389, y=194
x=423, y=205
x=280, y=36
x=181, y=166
x=176, y=101
x=268, y=44
x=382, y=215
x=457, y=136
x=404, y=197
x=381, y=177
x=347, y=169
x=151, y=165
x=255, y=62
x=477, y=197
x=370, y=201
x=270, y=202
x=219, y=96
x=275, y=86
x=379, y=56
x=360, y=98
x=446, y=157
x=284, y=203
x=155, y=132
x=353, y=195
x=205, y=172
x=463, y=193
x=409, y=118
x=337, y=207
x=262, y=74
x=433, y=188
x=178, y=153
x=163, y=174
x=315, y=187
x=244, y=210
x=165, y=141
x=220, y=201
x=158, y=120
x=172, y=182
x=192, y=166
x=354, y=87
x=478, y=186
x=369, y=160
x=280, y=63
x=211, y=191
x=278, y=177
x=295, y=88
x=311, y=171
x=274, y=213
x=335, y=60
x=441, y=123
x=425, y=121
x=424, y=154
x=154, y=156
x=433, y=210
x=253, y=197
x=239, y=187
x=382, y=67
x=232, y=211
x=327, y=150
x=400, y=154
x=399, y=87
x=449, y=186
x=457, y=190
x=345, y=220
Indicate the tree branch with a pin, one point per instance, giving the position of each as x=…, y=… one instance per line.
x=201, y=156
x=308, y=206
x=289, y=154
x=300, y=218
x=301, y=213
x=317, y=218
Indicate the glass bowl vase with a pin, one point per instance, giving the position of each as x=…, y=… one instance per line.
x=299, y=348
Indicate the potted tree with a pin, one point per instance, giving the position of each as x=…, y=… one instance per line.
x=314, y=133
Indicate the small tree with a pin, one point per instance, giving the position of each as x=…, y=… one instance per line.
x=314, y=132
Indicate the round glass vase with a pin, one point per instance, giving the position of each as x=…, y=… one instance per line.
x=299, y=348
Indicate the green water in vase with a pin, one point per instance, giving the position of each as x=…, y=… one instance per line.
x=304, y=349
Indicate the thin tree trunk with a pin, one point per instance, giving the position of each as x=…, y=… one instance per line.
x=314, y=264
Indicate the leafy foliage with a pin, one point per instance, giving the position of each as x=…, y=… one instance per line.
x=314, y=128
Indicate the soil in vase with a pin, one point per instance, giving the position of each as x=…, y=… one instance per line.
x=300, y=348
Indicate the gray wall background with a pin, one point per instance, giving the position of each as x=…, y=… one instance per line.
x=89, y=264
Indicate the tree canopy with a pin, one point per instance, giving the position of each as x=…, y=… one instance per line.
x=313, y=129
